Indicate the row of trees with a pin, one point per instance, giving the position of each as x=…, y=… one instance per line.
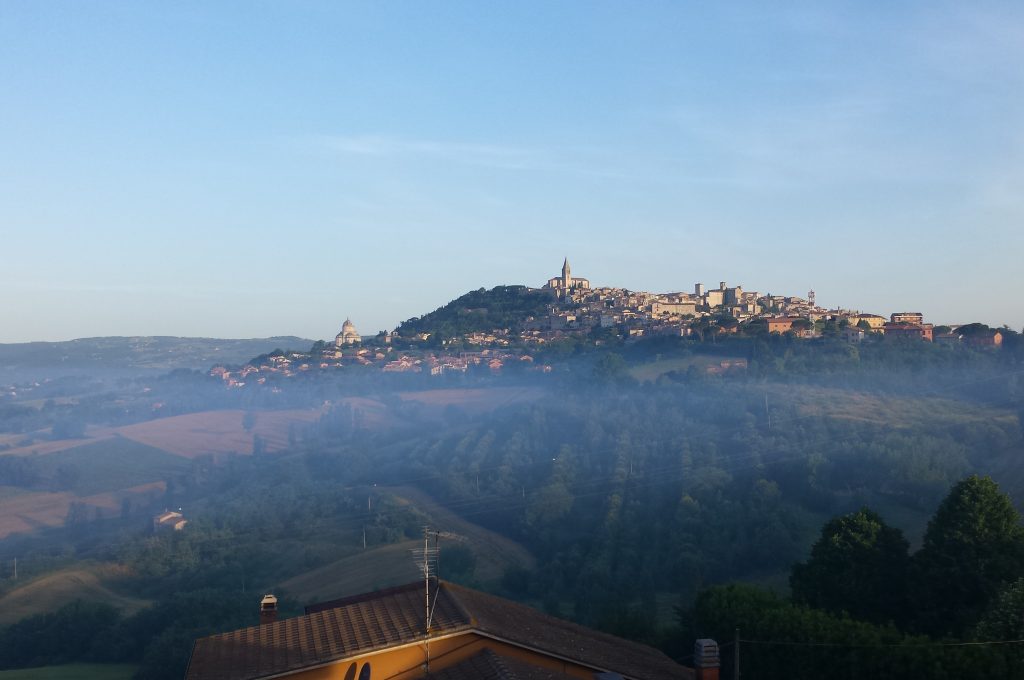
x=502, y=307
x=158, y=637
x=625, y=492
x=973, y=547
x=862, y=607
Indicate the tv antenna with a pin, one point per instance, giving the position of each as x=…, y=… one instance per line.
x=427, y=559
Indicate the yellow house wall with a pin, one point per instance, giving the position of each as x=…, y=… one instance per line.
x=406, y=663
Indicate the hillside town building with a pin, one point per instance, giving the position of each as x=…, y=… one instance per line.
x=578, y=310
x=566, y=283
x=874, y=322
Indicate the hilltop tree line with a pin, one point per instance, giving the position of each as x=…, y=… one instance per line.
x=479, y=311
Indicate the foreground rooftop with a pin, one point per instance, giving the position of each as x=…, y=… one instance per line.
x=472, y=635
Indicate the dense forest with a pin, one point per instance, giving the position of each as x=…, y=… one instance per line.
x=502, y=307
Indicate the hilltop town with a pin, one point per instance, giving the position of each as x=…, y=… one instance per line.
x=512, y=324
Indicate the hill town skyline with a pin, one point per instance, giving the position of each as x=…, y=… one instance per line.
x=705, y=296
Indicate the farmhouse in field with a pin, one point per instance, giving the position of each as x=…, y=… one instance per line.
x=169, y=520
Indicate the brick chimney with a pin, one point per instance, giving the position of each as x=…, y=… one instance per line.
x=705, y=659
x=268, y=609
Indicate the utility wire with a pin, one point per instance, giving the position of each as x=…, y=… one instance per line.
x=899, y=645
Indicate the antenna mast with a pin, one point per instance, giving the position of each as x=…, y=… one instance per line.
x=427, y=559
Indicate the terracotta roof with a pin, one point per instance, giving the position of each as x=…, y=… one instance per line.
x=359, y=625
x=340, y=629
x=526, y=626
x=486, y=665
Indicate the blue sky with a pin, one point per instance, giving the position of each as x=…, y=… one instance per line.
x=270, y=168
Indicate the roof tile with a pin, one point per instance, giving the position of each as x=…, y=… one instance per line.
x=340, y=629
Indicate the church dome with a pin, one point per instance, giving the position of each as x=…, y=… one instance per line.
x=348, y=335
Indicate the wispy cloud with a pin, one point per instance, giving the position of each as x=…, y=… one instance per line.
x=594, y=162
x=486, y=155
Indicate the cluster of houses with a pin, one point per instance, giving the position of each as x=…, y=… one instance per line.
x=440, y=363
x=638, y=313
x=577, y=308
x=387, y=360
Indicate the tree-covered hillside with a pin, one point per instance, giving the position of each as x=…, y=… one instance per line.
x=635, y=479
x=502, y=307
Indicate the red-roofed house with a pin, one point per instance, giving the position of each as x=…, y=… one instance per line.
x=471, y=635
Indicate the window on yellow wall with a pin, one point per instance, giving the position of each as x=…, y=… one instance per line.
x=364, y=674
x=350, y=674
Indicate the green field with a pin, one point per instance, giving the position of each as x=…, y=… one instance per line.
x=651, y=371
x=391, y=565
x=494, y=552
x=896, y=411
x=74, y=671
x=373, y=569
x=89, y=582
x=11, y=492
x=114, y=464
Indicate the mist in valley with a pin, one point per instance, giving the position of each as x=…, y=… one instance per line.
x=623, y=487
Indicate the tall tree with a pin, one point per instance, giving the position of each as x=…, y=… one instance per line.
x=973, y=548
x=1004, y=620
x=859, y=565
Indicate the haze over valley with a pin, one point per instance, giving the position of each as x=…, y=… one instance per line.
x=457, y=340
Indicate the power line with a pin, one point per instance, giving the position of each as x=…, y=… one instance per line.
x=892, y=645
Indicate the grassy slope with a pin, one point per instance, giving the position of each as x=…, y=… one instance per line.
x=48, y=593
x=29, y=511
x=373, y=569
x=212, y=432
x=115, y=464
x=474, y=401
x=74, y=671
x=894, y=411
x=189, y=435
x=651, y=371
x=104, y=473
x=393, y=564
x=24, y=511
x=494, y=552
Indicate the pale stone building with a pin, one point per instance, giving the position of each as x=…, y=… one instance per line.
x=348, y=335
x=565, y=283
